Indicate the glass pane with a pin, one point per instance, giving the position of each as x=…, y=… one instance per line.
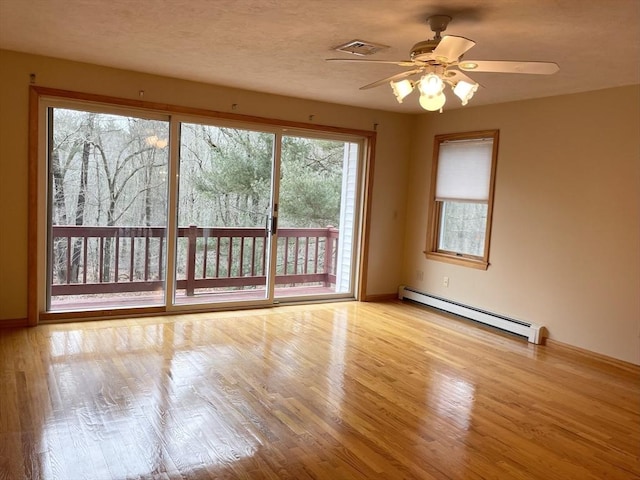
x=107, y=210
x=462, y=228
x=223, y=208
x=317, y=215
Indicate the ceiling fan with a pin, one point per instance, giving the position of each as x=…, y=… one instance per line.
x=439, y=62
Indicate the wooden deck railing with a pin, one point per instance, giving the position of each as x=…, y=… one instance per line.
x=103, y=260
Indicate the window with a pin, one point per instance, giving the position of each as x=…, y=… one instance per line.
x=461, y=202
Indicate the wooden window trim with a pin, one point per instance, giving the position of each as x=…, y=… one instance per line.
x=435, y=208
x=36, y=93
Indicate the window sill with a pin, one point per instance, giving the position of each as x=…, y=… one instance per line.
x=456, y=260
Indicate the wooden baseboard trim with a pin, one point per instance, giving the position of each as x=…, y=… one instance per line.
x=14, y=323
x=381, y=297
x=555, y=344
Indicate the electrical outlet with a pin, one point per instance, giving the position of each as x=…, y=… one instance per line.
x=419, y=275
x=445, y=281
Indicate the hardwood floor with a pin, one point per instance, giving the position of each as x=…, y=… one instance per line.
x=334, y=391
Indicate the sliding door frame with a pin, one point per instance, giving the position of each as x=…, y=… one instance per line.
x=37, y=189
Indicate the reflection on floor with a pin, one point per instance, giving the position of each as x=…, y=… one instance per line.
x=334, y=391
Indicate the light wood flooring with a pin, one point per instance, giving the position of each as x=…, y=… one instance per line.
x=334, y=391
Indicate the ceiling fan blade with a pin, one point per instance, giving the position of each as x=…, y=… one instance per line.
x=451, y=48
x=402, y=63
x=536, y=68
x=458, y=76
x=398, y=76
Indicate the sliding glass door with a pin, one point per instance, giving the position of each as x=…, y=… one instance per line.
x=151, y=210
x=224, y=214
x=230, y=208
x=317, y=217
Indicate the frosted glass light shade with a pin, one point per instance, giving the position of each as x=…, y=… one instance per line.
x=465, y=90
x=432, y=103
x=401, y=89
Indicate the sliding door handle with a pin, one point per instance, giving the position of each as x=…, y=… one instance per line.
x=271, y=225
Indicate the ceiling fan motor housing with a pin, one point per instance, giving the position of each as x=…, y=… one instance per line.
x=422, y=50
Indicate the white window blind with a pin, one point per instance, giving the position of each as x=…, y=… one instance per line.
x=464, y=171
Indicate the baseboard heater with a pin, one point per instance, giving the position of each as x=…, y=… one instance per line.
x=530, y=331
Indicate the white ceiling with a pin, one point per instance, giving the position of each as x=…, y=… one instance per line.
x=280, y=46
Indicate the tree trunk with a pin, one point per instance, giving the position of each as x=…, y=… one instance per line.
x=80, y=208
x=108, y=243
x=59, y=218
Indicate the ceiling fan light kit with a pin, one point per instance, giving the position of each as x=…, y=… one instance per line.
x=439, y=62
x=431, y=88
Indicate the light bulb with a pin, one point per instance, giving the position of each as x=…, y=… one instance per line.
x=154, y=141
x=151, y=140
x=431, y=85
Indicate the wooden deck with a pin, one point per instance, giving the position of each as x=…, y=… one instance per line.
x=113, y=267
x=334, y=391
x=146, y=299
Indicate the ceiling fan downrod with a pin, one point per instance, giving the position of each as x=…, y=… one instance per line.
x=438, y=24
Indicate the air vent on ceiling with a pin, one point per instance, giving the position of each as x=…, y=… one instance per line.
x=359, y=47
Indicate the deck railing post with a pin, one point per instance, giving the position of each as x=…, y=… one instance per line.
x=192, y=236
x=328, y=256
